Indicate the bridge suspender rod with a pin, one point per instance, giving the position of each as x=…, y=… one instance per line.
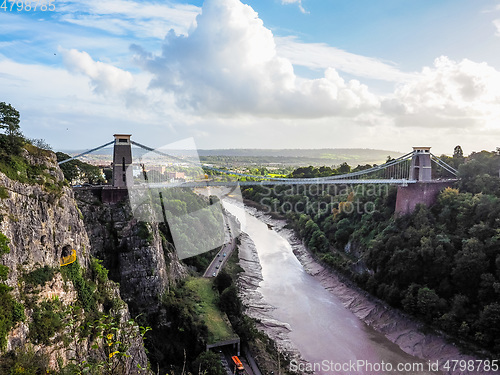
x=373, y=169
x=86, y=152
x=445, y=166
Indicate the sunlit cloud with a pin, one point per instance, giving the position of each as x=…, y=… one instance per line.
x=451, y=94
x=229, y=64
x=104, y=78
x=322, y=56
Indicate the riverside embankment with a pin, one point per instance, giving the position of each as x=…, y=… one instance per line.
x=314, y=314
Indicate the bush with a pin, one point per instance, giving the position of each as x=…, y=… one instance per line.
x=99, y=273
x=4, y=244
x=24, y=362
x=47, y=321
x=40, y=276
x=10, y=313
x=4, y=272
x=84, y=289
x=4, y=194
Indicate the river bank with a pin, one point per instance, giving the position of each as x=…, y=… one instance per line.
x=318, y=329
x=398, y=328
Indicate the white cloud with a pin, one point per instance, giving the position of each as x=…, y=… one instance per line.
x=323, y=56
x=298, y=2
x=104, y=78
x=450, y=93
x=228, y=64
x=123, y=17
x=497, y=25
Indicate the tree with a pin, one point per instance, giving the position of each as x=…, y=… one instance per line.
x=458, y=153
x=428, y=303
x=470, y=264
x=229, y=301
x=9, y=121
x=9, y=118
x=223, y=280
x=343, y=168
x=209, y=363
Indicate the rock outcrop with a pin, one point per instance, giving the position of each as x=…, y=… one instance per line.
x=42, y=223
x=138, y=256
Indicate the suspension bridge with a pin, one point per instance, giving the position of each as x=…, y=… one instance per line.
x=413, y=167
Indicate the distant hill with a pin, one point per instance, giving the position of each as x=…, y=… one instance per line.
x=326, y=156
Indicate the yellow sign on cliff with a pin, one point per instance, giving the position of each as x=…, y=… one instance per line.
x=68, y=259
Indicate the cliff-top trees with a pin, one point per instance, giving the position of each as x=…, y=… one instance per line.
x=12, y=140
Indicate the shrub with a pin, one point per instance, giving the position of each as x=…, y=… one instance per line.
x=4, y=272
x=83, y=287
x=24, y=362
x=40, y=276
x=4, y=244
x=4, y=194
x=99, y=272
x=10, y=313
x=47, y=321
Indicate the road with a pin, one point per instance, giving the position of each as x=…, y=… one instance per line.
x=228, y=364
x=225, y=252
x=220, y=259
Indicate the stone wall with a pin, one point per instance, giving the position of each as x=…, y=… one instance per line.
x=422, y=192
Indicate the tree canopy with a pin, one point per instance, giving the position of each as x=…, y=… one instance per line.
x=12, y=140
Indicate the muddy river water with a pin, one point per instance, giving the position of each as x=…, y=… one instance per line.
x=329, y=337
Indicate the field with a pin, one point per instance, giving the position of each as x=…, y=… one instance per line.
x=219, y=328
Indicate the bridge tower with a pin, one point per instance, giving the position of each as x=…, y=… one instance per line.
x=122, y=158
x=426, y=190
x=421, y=168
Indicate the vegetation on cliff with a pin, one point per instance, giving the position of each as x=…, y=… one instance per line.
x=11, y=311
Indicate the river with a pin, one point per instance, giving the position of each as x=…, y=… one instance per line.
x=325, y=333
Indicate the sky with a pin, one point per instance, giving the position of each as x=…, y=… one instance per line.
x=383, y=74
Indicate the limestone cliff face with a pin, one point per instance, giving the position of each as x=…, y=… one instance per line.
x=138, y=257
x=43, y=223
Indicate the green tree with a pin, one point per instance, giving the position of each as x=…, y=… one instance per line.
x=458, y=156
x=343, y=168
x=9, y=118
x=470, y=264
x=9, y=122
x=223, y=280
x=428, y=303
x=229, y=301
x=209, y=363
x=489, y=325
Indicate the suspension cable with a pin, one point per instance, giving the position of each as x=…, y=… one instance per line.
x=85, y=153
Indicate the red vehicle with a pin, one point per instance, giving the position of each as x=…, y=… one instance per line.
x=237, y=364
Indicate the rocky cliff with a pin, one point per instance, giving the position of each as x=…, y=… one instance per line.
x=137, y=254
x=47, y=309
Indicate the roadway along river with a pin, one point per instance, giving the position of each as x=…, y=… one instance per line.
x=321, y=328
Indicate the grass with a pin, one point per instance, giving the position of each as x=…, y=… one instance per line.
x=17, y=168
x=219, y=328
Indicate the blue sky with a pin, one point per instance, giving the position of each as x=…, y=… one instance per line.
x=386, y=74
